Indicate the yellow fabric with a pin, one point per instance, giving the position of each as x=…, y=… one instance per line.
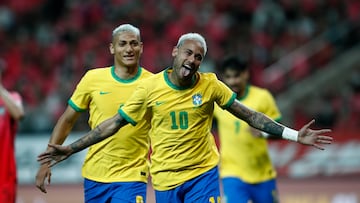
x=123, y=156
x=183, y=146
x=243, y=155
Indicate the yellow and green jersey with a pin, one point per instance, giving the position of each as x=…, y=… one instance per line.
x=243, y=155
x=181, y=139
x=122, y=157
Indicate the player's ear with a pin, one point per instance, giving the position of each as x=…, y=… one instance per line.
x=174, y=51
x=111, y=48
x=141, y=47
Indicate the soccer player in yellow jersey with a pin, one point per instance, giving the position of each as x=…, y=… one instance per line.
x=181, y=100
x=246, y=170
x=116, y=169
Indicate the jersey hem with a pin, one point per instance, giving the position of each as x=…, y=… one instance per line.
x=114, y=180
x=166, y=188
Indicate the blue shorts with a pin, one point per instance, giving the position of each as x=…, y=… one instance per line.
x=235, y=190
x=202, y=189
x=116, y=192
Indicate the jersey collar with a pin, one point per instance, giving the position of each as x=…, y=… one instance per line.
x=246, y=93
x=125, y=80
x=172, y=85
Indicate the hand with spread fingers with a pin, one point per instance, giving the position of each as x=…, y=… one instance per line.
x=314, y=138
x=54, y=154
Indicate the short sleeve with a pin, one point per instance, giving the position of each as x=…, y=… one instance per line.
x=135, y=107
x=224, y=96
x=81, y=97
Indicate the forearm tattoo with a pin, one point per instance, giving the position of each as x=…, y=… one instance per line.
x=264, y=123
x=102, y=131
x=92, y=137
x=256, y=119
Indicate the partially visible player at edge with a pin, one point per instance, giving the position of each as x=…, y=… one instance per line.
x=11, y=112
x=246, y=170
x=181, y=99
x=116, y=169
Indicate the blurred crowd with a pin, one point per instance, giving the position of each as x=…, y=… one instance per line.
x=46, y=46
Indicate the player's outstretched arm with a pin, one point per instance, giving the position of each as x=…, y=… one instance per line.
x=57, y=153
x=262, y=122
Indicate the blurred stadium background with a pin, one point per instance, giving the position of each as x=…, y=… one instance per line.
x=307, y=52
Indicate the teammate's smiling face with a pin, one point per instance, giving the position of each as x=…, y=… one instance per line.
x=187, y=59
x=127, y=49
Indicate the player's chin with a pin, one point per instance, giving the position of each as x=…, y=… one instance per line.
x=130, y=62
x=188, y=77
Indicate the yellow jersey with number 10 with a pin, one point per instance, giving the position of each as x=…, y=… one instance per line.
x=243, y=155
x=182, y=144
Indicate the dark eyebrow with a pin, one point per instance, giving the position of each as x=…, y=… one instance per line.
x=199, y=56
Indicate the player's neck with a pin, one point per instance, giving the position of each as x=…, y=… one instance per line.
x=242, y=93
x=126, y=72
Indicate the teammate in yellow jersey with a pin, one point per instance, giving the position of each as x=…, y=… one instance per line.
x=246, y=170
x=116, y=169
x=181, y=100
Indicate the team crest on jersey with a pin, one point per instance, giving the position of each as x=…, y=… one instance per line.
x=197, y=99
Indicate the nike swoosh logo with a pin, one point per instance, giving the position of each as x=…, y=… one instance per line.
x=158, y=103
x=102, y=92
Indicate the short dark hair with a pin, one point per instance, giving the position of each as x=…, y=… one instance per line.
x=233, y=63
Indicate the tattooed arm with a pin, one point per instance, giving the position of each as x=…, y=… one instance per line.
x=262, y=122
x=58, y=153
x=256, y=119
x=102, y=131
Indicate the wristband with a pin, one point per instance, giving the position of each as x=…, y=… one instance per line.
x=290, y=134
x=264, y=134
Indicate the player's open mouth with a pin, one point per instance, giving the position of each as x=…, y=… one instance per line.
x=185, y=70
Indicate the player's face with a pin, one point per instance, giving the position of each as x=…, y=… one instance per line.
x=127, y=49
x=187, y=59
x=236, y=80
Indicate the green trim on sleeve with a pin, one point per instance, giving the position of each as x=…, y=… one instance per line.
x=75, y=107
x=126, y=117
x=278, y=119
x=231, y=101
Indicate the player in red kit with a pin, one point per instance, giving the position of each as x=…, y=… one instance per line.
x=11, y=111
